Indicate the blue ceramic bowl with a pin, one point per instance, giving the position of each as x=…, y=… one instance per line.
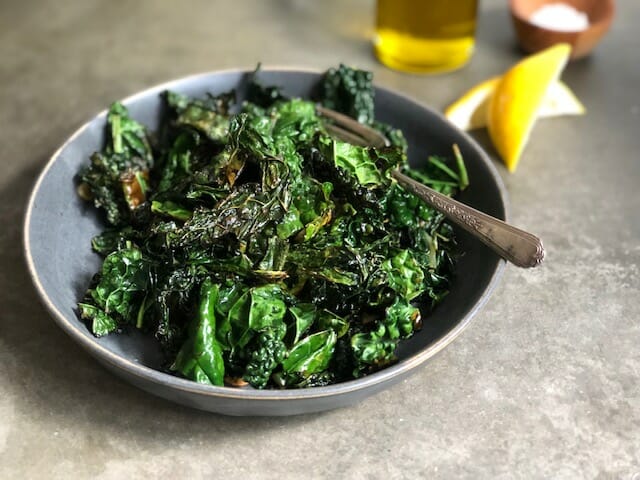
x=59, y=227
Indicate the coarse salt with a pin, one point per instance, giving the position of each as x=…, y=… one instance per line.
x=560, y=17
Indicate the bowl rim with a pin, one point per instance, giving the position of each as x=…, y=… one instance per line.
x=103, y=354
x=611, y=7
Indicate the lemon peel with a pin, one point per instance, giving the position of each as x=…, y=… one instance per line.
x=516, y=100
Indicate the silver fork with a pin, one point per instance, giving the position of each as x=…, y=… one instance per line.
x=513, y=244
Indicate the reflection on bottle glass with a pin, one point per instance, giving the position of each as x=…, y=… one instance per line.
x=425, y=36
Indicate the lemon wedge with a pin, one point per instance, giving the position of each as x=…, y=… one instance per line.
x=559, y=101
x=470, y=111
x=510, y=104
x=516, y=100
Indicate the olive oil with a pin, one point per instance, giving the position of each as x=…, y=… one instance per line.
x=425, y=36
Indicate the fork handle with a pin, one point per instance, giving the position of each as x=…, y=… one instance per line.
x=517, y=246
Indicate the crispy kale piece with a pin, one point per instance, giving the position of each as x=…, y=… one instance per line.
x=373, y=350
x=258, y=249
x=267, y=353
x=208, y=116
x=200, y=357
x=118, y=297
x=350, y=91
x=311, y=355
x=117, y=178
x=262, y=95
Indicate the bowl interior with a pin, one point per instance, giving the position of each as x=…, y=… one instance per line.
x=59, y=225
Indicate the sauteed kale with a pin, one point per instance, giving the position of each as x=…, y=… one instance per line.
x=258, y=249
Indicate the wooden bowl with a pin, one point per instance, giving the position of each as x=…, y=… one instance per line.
x=533, y=38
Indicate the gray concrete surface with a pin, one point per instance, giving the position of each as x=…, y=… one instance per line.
x=544, y=384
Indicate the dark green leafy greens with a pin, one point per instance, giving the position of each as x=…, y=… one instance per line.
x=258, y=249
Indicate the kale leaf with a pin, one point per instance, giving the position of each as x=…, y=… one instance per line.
x=257, y=248
x=349, y=91
x=117, y=298
x=200, y=358
x=267, y=353
x=117, y=178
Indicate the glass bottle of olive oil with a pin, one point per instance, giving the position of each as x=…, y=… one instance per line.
x=425, y=36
